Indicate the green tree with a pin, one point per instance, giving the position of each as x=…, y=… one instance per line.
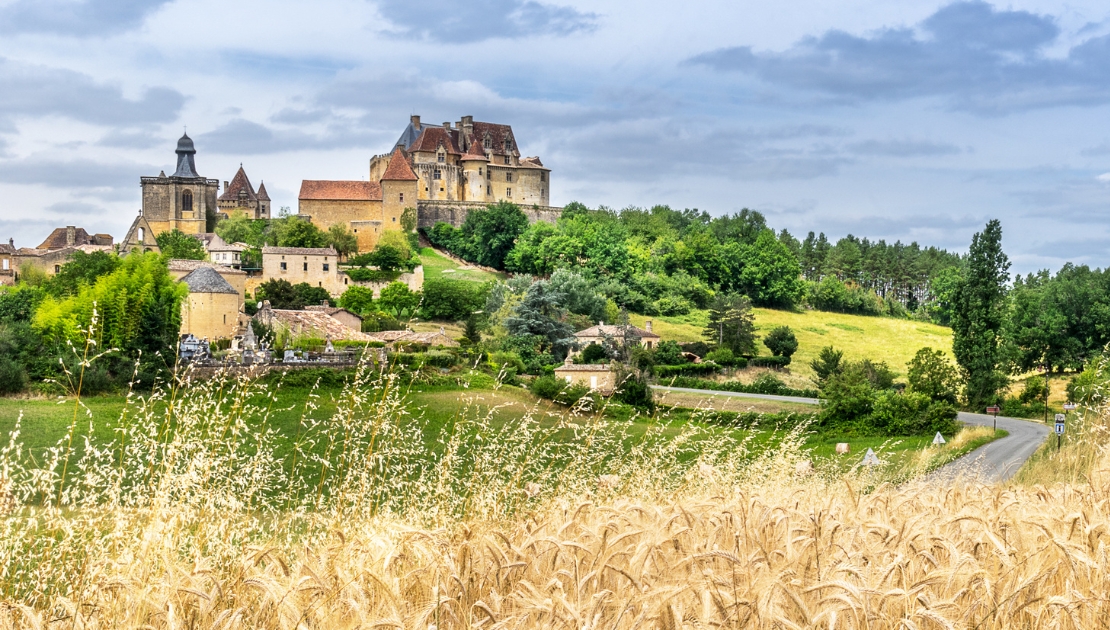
x=579, y=296
x=781, y=342
x=357, y=299
x=769, y=273
x=930, y=373
x=827, y=363
x=451, y=300
x=176, y=245
x=297, y=232
x=398, y=300
x=731, y=323
x=487, y=236
x=83, y=270
x=471, y=331
x=343, y=240
x=385, y=257
x=540, y=315
x=979, y=315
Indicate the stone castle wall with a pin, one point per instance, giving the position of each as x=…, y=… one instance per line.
x=428, y=213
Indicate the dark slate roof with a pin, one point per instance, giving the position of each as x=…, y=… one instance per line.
x=185, y=152
x=262, y=191
x=207, y=280
x=409, y=135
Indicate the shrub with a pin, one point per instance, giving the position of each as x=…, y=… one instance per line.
x=782, y=342
x=362, y=274
x=721, y=356
x=452, y=299
x=668, y=353
x=688, y=369
x=766, y=386
x=13, y=378
x=930, y=373
x=826, y=364
x=635, y=391
x=593, y=353
x=771, y=362
x=440, y=359
x=547, y=387
x=673, y=305
x=911, y=413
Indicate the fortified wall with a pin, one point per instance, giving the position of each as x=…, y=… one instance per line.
x=429, y=212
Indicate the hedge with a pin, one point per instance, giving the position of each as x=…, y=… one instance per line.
x=771, y=362
x=362, y=274
x=763, y=386
x=687, y=369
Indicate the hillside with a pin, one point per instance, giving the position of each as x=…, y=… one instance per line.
x=879, y=338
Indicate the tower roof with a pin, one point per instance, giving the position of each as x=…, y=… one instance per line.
x=262, y=191
x=238, y=183
x=186, y=167
x=399, y=168
x=475, y=152
x=207, y=280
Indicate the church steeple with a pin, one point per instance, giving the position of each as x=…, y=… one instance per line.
x=185, y=152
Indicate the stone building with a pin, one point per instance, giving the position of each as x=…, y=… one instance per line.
x=183, y=201
x=7, y=263
x=315, y=265
x=72, y=236
x=221, y=252
x=240, y=197
x=598, y=377
x=602, y=334
x=314, y=322
x=441, y=172
x=180, y=268
x=212, y=309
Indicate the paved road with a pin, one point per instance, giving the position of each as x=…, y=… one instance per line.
x=1001, y=459
x=992, y=462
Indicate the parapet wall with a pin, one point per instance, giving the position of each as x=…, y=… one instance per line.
x=428, y=212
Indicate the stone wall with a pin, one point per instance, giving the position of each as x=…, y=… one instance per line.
x=428, y=213
x=304, y=268
x=414, y=281
x=211, y=315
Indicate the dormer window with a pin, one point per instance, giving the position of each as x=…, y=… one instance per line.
x=487, y=142
x=507, y=160
x=508, y=144
x=441, y=158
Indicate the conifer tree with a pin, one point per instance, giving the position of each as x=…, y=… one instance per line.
x=731, y=323
x=979, y=314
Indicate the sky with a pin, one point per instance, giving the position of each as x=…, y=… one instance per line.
x=913, y=121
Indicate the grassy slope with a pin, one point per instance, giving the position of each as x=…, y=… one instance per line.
x=879, y=338
x=435, y=265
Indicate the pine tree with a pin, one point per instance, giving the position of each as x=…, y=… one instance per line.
x=731, y=323
x=979, y=314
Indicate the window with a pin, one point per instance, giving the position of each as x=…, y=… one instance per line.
x=479, y=170
x=489, y=190
x=187, y=201
x=508, y=192
x=507, y=160
x=344, y=280
x=306, y=266
x=225, y=318
x=394, y=219
x=593, y=382
x=402, y=197
x=543, y=191
x=283, y=267
x=7, y=264
x=487, y=143
x=436, y=175
x=543, y=177
x=57, y=268
x=441, y=158
x=325, y=266
x=508, y=177
x=508, y=144
x=142, y=234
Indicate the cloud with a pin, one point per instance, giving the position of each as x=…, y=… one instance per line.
x=1105, y=177
x=244, y=137
x=79, y=18
x=973, y=56
x=74, y=174
x=902, y=148
x=450, y=22
x=41, y=91
x=131, y=139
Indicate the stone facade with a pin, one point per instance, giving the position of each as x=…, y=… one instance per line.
x=316, y=266
x=599, y=377
x=442, y=172
x=213, y=307
x=50, y=261
x=602, y=334
x=184, y=201
x=7, y=263
x=240, y=197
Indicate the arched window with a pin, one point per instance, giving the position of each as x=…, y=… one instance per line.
x=142, y=235
x=187, y=201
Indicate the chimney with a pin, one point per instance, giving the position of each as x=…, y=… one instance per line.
x=647, y=325
x=323, y=302
x=447, y=125
x=11, y=242
x=415, y=122
x=467, y=123
x=71, y=235
x=226, y=186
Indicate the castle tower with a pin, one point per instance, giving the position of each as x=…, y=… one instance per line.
x=474, y=181
x=399, y=189
x=183, y=201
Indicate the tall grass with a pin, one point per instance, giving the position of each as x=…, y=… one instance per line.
x=199, y=515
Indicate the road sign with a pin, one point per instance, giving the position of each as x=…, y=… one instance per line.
x=994, y=409
x=870, y=459
x=1060, y=418
x=938, y=440
x=1070, y=406
x=1059, y=428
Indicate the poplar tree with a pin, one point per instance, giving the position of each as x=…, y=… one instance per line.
x=979, y=314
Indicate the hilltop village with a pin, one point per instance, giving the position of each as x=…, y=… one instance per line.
x=432, y=174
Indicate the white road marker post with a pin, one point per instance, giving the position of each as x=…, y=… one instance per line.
x=870, y=459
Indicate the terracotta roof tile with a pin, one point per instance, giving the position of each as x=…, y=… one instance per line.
x=399, y=169
x=326, y=190
x=615, y=332
x=432, y=137
x=178, y=264
x=57, y=239
x=475, y=152
x=497, y=135
x=238, y=183
x=300, y=251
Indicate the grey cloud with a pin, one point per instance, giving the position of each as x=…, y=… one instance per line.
x=902, y=148
x=75, y=209
x=976, y=57
x=245, y=137
x=1096, y=151
x=479, y=20
x=80, y=18
x=292, y=116
x=39, y=91
x=130, y=139
x=76, y=174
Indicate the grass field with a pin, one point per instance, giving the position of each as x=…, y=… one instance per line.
x=437, y=266
x=894, y=341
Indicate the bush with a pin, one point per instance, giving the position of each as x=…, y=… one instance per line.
x=782, y=342
x=826, y=364
x=362, y=274
x=930, y=373
x=440, y=359
x=668, y=353
x=13, y=378
x=721, y=356
x=593, y=354
x=766, y=384
x=672, y=305
x=556, y=389
x=452, y=300
x=770, y=362
x=911, y=413
x=635, y=391
x=688, y=369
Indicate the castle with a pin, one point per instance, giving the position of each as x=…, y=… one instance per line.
x=439, y=171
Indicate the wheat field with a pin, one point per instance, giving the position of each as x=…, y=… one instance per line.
x=194, y=520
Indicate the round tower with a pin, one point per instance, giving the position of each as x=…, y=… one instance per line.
x=475, y=166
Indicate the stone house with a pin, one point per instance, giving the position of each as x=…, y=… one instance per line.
x=317, y=266
x=315, y=322
x=50, y=261
x=430, y=339
x=598, y=377
x=180, y=268
x=603, y=333
x=213, y=307
x=72, y=236
x=221, y=252
x=7, y=263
